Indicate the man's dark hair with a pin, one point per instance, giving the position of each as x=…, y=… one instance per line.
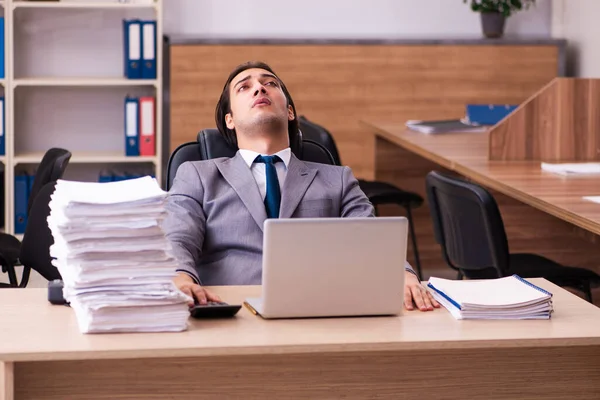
x=224, y=104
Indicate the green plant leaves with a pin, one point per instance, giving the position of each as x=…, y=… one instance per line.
x=505, y=7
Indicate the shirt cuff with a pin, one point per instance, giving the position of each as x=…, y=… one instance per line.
x=192, y=275
x=407, y=267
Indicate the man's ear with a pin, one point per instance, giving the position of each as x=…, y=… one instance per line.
x=229, y=121
x=291, y=115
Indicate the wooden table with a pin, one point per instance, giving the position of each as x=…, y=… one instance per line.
x=543, y=212
x=416, y=355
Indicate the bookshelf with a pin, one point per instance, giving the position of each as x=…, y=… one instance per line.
x=50, y=81
x=60, y=91
x=84, y=5
x=86, y=158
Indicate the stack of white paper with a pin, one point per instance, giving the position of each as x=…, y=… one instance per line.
x=444, y=126
x=114, y=258
x=511, y=297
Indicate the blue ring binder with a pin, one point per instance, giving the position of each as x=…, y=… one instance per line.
x=444, y=295
x=532, y=285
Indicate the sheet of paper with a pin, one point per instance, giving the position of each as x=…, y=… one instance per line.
x=572, y=168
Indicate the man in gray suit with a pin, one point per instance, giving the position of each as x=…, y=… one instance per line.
x=216, y=208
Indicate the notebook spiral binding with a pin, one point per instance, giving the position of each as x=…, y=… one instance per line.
x=532, y=285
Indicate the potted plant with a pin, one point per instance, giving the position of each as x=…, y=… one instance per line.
x=494, y=13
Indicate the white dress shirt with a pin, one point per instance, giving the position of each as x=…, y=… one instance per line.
x=258, y=169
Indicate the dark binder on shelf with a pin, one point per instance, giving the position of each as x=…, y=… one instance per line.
x=2, y=127
x=2, y=49
x=132, y=126
x=132, y=48
x=114, y=175
x=2, y=194
x=21, y=199
x=149, y=49
x=103, y=178
x=30, y=179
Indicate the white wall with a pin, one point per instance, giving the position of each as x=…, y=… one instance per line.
x=368, y=19
x=577, y=21
x=88, y=43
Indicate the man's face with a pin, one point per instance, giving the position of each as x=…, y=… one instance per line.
x=256, y=98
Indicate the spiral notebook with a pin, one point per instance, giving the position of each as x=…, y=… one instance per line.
x=511, y=297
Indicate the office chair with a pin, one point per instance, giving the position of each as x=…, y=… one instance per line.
x=211, y=144
x=469, y=228
x=51, y=168
x=37, y=239
x=378, y=192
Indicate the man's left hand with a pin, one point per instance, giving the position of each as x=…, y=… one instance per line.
x=416, y=294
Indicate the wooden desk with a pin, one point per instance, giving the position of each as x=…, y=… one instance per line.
x=417, y=355
x=543, y=212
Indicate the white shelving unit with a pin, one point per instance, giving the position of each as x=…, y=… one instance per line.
x=83, y=82
x=80, y=4
x=43, y=99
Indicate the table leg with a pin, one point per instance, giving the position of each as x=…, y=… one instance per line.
x=7, y=382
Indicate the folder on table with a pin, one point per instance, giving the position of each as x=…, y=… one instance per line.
x=147, y=126
x=488, y=114
x=2, y=49
x=443, y=126
x=2, y=128
x=132, y=48
x=572, y=169
x=149, y=49
x=21, y=199
x=132, y=126
x=510, y=297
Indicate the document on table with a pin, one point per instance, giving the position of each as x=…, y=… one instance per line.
x=115, y=261
x=572, y=169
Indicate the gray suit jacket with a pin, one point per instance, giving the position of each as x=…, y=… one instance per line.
x=216, y=213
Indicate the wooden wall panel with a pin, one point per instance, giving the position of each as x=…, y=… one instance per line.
x=337, y=85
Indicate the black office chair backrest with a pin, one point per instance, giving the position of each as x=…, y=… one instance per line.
x=189, y=151
x=211, y=144
x=51, y=168
x=316, y=152
x=468, y=226
x=37, y=238
x=318, y=133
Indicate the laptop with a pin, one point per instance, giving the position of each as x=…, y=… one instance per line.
x=332, y=267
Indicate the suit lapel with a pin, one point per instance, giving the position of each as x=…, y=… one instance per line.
x=298, y=179
x=238, y=175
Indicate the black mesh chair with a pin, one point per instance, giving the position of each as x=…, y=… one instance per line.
x=468, y=226
x=378, y=192
x=210, y=144
x=51, y=168
x=37, y=239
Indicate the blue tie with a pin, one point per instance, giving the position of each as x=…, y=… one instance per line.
x=273, y=197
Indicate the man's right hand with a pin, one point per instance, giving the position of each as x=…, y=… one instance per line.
x=186, y=284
